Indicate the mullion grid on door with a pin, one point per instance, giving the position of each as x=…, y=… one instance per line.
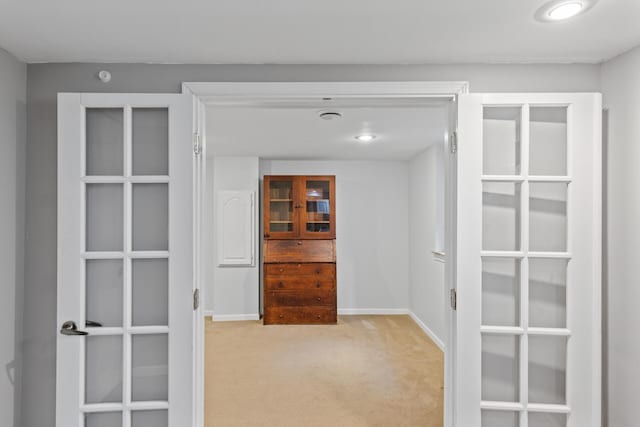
x=94, y=255
x=566, y=255
x=130, y=255
x=521, y=254
x=524, y=255
x=127, y=255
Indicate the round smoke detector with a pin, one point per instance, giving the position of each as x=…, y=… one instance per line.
x=329, y=115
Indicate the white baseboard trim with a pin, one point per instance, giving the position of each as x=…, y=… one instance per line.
x=427, y=331
x=364, y=311
x=230, y=317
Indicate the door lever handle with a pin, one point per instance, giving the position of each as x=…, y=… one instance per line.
x=92, y=324
x=70, y=328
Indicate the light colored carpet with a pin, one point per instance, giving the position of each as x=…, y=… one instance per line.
x=366, y=371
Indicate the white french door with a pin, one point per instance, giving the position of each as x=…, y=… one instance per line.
x=125, y=260
x=528, y=260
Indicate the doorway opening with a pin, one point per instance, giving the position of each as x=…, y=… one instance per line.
x=393, y=207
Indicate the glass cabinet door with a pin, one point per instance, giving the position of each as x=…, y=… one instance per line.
x=280, y=207
x=318, y=216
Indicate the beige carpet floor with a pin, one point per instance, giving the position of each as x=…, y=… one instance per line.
x=367, y=371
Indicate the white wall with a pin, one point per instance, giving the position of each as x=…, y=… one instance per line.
x=230, y=291
x=371, y=228
x=426, y=207
x=13, y=93
x=621, y=89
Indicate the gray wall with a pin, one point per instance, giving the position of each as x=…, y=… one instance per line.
x=46, y=80
x=13, y=96
x=621, y=88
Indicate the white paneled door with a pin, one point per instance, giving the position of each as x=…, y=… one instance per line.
x=125, y=260
x=528, y=261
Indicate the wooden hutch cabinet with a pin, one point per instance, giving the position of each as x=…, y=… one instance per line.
x=299, y=250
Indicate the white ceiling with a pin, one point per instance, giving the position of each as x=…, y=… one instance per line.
x=304, y=32
x=296, y=132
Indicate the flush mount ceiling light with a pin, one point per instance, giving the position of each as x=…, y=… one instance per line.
x=365, y=138
x=560, y=10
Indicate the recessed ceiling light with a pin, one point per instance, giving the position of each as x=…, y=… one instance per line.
x=365, y=138
x=560, y=10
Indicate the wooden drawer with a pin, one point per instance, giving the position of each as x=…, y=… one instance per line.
x=299, y=251
x=324, y=270
x=299, y=283
x=299, y=315
x=310, y=298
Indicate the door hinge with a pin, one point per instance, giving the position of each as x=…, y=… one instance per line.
x=453, y=142
x=453, y=297
x=196, y=299
x=197, y=144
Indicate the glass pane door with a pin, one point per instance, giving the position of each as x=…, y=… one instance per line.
x=125, y=260
x=281, y=207
x=318, y=214
x=528, y=260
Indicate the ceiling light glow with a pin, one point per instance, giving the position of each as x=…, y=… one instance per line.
x=565, y=11
x=561, y=10
x=365, y=138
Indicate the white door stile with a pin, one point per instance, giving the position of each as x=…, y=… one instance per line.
x=583, y=254
x=68, y=384
x=70, y=376
x=468, y=246
x=200, y=173
x=181, y=231
x=450, y=194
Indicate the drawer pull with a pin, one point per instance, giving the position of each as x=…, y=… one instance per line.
x=318, y=316
x=299, y=243
x=318, y=299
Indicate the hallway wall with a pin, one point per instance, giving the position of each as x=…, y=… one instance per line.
x=621, y=89
x=13, y=94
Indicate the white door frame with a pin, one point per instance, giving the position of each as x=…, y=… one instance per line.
x=216, y=93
